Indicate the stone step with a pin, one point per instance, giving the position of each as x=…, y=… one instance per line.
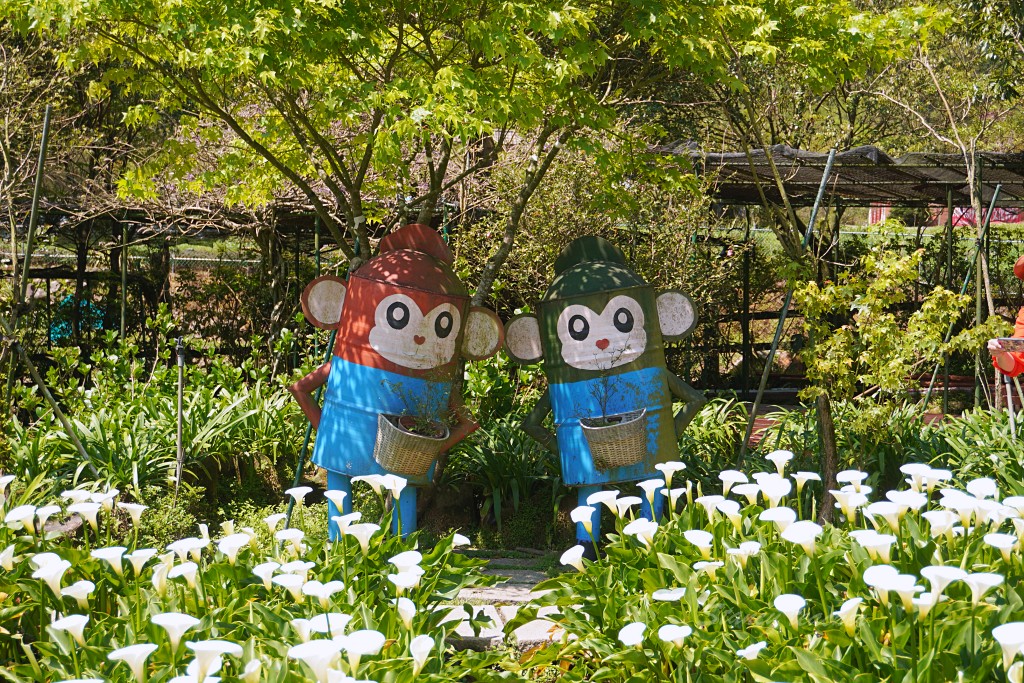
x=536, y=633
x=498, y=605
x=516, y=587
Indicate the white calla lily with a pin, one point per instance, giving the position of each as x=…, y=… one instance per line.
x=632, y=635
x=362, y=533
x=780, y=458
x=112, y=556
x=176, y=625
x=299, y=493
x=420, y=649
x=74, y=624
x=674, y=633
x=790, y=605
x=668, y=470
x=135, y=657
x=79, y=591
x=804, y=534
x=847, y=613
x=1010, y=637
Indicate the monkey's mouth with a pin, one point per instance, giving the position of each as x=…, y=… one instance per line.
x=594, y=359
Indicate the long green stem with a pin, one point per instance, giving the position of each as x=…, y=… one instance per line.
x=74, y=658
x=826, y=608
x=138, y=607
x=42, y=608
x=892, y=637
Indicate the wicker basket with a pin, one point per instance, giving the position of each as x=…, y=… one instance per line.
x=617, y=445
x=402, y=452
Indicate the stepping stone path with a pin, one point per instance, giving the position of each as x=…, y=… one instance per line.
x=500, y=604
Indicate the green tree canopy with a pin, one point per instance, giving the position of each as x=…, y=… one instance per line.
x=354, y=104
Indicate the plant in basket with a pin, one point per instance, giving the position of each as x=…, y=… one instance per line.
x=409, y=441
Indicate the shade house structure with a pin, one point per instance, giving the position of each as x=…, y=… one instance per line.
x=861, y=177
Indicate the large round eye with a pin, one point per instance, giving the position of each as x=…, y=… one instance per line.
x=444, y=324
x=579, y=328
x=623, y=320
x=398, y=315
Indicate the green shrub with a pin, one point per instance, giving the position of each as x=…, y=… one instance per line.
x=502, y=466
x=168, y=517
x=981, y=444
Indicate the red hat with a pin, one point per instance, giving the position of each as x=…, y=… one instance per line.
x=1018, y=268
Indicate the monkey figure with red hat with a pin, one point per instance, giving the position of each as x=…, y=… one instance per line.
x=403, y=318
x=1010, y=363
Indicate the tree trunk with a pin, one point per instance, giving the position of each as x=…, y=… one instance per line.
x=829, y=457
x=162, y=268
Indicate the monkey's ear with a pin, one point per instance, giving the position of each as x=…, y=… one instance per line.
x=676, y=314
x=322, y=301
x=484, y=334
x=522, y=339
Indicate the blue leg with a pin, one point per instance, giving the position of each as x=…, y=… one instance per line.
x=336, y=481
x=659, y=507
x=406, y=512
x=582, y=537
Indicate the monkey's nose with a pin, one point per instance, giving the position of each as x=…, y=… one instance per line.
x=418, y=339
x=602, y=344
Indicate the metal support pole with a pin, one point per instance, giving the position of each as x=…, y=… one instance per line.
x=977, y=284
x=745, y=314
x=949, y=281
x=963, y=288
x=21, y=291
x=180, y=466
x=33, y=216
x=785, y=307
x=1009, y=406
x=124, y=272
x=298, y=289
x=977, y=321
x=49, y=314
x=316, y=258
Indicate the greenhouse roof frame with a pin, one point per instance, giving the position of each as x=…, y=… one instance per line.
x=861, y=176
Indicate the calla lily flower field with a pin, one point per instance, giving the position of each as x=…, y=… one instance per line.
x=248, y=604
x=923, y=584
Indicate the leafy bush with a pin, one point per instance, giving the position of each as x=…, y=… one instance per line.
x=980, y=444
x=862, y=341
x=503, y=467
x=877, y=438
x=238, y=420
x=712, y=440
x=169, y=518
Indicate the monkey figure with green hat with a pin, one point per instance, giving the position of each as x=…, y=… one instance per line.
x=599, y=330
x=1010, y=363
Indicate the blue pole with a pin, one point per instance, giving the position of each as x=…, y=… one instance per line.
x=659, y=507
x=406, y=513
x=336, y=481
x=582, y=537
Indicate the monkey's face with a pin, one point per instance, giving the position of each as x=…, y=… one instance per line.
x=407, y=336
x=601, y=340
